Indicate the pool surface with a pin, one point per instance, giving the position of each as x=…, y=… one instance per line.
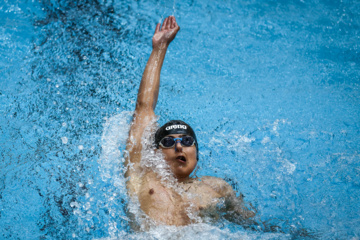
x=272, y=89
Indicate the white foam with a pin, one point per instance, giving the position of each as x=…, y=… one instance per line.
x=112, y=172
x=197, y=231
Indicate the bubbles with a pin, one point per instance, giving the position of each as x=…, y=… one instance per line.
x=276, y=125
x=277, y=115
x=64, y=140
x=74, y=205
x=154, y=160
x=199, y=231
x=107, y=192
x=265, y=140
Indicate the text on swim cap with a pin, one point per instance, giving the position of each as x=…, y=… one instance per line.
x=175, y=127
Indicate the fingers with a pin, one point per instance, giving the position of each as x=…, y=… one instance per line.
x=175, y=24
x=166, y=23
x=157, y=29
x=173, y=21
x=169, y=23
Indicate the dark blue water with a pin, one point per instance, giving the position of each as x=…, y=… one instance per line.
x=271, y=87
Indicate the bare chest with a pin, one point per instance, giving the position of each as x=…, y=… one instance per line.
x=175, y=206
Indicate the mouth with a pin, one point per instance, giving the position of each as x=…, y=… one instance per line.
x=181, y=159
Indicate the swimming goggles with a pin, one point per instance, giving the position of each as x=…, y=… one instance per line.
x=169, y=142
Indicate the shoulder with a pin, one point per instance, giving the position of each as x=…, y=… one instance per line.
x=219, y=185
x=213, y=180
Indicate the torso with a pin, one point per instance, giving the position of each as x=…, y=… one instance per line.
x=168, y=206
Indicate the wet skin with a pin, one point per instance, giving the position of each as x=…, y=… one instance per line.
x=181, y=159
x=164, y=204
x=181, y=204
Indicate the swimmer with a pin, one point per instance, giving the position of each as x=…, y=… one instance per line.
x=177, y=141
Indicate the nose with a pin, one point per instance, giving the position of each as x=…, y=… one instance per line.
x=178, y=146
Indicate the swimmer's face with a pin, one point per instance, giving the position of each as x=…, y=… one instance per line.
x=182, y=160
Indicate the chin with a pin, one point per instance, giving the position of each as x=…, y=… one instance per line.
x=182, y=174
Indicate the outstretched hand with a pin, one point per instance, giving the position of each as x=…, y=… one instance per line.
x=164, y=35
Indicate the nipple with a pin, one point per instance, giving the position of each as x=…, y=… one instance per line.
x=151, y=191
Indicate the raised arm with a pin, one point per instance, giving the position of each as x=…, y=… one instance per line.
x=149, y=86
x=148, y=95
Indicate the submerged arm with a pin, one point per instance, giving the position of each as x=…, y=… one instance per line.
x=237, y=212
x=148, y=95
x=233, y=208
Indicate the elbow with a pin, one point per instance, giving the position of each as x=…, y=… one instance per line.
x=146, y=104
x=143, y=106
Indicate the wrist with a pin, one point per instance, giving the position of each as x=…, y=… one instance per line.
x=160, y=47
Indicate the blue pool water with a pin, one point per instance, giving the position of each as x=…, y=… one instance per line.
x=271, y=87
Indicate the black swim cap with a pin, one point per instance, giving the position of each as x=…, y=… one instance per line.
x=175, y=127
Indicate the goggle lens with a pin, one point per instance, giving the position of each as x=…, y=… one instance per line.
x=168, y=142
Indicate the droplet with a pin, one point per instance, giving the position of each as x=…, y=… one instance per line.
x=64, y=140
x=74, y=204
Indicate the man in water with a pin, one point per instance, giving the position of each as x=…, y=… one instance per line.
x=188, y=198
